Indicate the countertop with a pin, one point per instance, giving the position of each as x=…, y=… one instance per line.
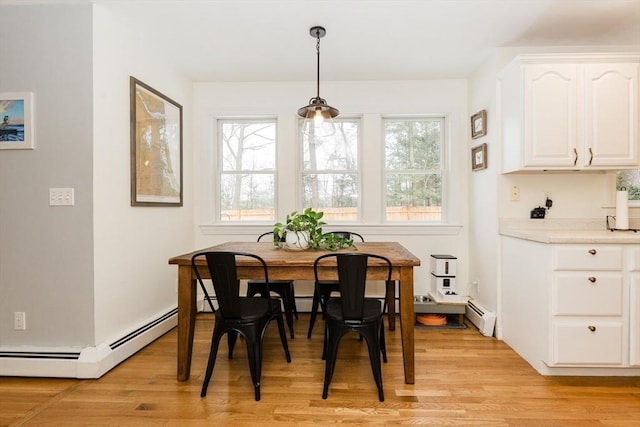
x=567, y=231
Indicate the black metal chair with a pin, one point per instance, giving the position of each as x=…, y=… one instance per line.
x=235, y=315
x=352, y=312
x=325, y=288
x=284, y=289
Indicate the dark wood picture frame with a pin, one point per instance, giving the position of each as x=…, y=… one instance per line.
x=479, y=124
x=156, y=147
x=479, y=157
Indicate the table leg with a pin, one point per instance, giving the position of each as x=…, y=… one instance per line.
x=407, y=323
x=186, y=320
x=391, y=303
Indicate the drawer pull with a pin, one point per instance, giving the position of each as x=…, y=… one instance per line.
x=592, y=251
x=591, y=328
x=592, y=279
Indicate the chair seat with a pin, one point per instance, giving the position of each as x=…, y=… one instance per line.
x=371, y=312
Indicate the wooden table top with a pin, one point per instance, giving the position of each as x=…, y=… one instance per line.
x=274, y=256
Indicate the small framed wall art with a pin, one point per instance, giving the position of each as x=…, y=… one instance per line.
x=16, y=125
x=479, y=157
x=156, y=147
x=479, y=124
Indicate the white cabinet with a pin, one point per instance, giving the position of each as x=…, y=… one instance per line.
x=587, y=296
x=570, y=112
x=572, y=308
x=634, y=283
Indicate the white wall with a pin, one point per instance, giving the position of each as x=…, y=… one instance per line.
x=133, y=281
x=369, y=100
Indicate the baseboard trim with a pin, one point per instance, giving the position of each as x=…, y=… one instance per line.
x=90, y=362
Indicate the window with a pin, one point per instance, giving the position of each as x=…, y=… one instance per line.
x=330, y=172
x=246, y=170
x=413, y=169
x=631, y=180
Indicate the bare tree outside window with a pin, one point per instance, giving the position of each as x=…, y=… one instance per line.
x=413, y=169
x=246, y=170
x=330, y=172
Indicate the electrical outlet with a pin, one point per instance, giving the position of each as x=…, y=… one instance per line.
x=514, y=193
x=19, y=321
x=61, y=197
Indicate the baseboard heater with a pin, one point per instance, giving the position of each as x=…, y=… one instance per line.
x=484, y=320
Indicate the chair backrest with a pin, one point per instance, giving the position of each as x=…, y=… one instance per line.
x=224, y=275
x=347, y=235
x=352, y=276
x=263, y=235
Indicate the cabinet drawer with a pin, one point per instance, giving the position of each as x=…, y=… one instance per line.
x=587, y=257
x=587, y=343
x=585, y=294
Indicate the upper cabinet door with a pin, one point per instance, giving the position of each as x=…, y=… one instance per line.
x=550, y=115
x=611, y=114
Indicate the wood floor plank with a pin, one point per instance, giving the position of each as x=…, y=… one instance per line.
x=462, y=379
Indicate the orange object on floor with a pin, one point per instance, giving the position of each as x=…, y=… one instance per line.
x=432, y=319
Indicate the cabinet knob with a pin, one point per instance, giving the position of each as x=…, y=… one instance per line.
x=592, y=279
x=592, y=251
x=591, y=328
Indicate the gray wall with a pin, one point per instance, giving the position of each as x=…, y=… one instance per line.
x=46, y=253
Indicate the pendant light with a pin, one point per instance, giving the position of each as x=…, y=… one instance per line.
x=318, y=115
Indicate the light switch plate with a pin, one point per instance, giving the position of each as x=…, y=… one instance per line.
x=61, y=197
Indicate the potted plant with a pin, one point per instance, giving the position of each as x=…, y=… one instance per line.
x=303, y=230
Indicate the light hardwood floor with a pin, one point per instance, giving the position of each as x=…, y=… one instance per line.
x=462, y=379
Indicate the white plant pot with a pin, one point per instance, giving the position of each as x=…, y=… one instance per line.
x=298, y=240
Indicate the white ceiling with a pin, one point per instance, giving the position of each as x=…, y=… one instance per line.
x=268, y=40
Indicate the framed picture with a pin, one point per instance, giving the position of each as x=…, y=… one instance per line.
x=479, y=124
x=16, y=127
x=156, y=147
x=479, y=157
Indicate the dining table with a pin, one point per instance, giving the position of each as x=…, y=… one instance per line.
x=298, y=265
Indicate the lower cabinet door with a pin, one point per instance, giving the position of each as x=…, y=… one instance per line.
x=586, y=342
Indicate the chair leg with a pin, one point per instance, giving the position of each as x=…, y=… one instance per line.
x=294, y=309
x=332, y=343
x=232, y=337
x=314, y=311
x=254, y=352
x=288, y=313
x=213, y=352
x=383, y=345
x=374, y=357
x=283, y=338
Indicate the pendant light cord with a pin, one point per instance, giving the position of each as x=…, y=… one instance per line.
x=318, y=66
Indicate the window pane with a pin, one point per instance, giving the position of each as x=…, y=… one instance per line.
x=246, y=197
x=337, y=152
x=631, y=180
x=335, y=194
x=414, y=197
x=413, y=163
x=248, y=146
x=330, y=172
x=413, y=145
x=246, y=172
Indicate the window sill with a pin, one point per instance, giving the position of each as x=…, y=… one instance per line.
x=380, y=230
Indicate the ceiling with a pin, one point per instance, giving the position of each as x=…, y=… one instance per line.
x=268, y=40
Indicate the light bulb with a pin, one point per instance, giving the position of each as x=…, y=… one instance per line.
x=317, y=118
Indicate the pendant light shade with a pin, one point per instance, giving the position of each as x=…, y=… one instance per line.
x=318, y=115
